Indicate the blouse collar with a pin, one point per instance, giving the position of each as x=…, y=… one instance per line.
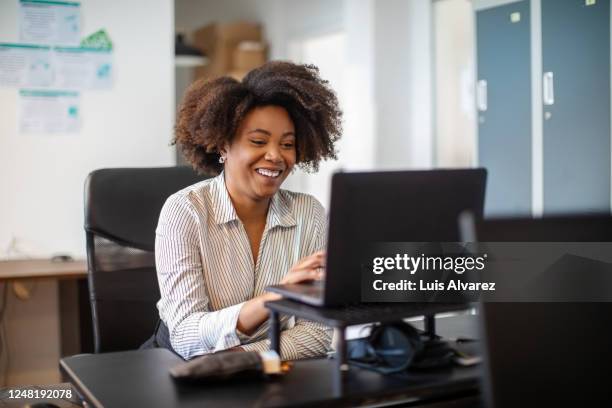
x=279, y=214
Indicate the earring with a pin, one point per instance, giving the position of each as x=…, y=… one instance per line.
x=221, y=159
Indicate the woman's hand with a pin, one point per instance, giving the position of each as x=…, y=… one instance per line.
x=306, y=269
x=254, y=313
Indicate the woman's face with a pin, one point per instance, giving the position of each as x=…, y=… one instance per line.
x=262, y=153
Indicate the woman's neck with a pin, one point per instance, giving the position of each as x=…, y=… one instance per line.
x=248, y=210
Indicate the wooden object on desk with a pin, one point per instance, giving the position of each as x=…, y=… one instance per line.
x=42, y=268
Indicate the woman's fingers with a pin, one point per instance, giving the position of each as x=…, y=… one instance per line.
x=310, y=264
x=302, y=263
x=315, y=260
x=311, y=267
x=302, y=275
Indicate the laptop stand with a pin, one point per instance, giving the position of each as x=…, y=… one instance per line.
x=340, y=318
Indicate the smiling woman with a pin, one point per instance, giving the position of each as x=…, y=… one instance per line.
x=262, y=153
x=213, y=110
x=222, y=241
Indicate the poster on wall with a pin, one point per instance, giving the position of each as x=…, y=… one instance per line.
x=83, y=68
x=25, y=65
x=36, y=66
x=49, y=22
x=49, y=111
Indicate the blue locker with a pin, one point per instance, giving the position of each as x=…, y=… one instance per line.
x=504, y=111
x=576, y=139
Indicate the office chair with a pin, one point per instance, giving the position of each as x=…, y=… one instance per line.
x=122, y=207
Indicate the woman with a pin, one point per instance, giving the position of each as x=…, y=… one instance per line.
x=222, y=241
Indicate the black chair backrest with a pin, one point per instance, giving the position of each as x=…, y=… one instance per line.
x=122, y=207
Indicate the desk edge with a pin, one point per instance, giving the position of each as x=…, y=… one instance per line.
x=74, y=380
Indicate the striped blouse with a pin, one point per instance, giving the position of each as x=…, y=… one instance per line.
x=206, y=272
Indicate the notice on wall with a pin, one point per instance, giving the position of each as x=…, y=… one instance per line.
x=50, y=22
x=35, y=66
x=49, y=111
x=83, y=68
x=25, y=65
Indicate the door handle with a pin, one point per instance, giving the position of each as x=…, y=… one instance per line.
x=548, y=88
x=481, y=95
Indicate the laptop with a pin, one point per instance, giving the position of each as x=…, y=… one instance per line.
x=399, y=206
x=545, y=354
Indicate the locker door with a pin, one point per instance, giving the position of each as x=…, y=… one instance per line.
x=504, y=106
x=576, y=50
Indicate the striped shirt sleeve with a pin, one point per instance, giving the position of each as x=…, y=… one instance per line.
x=305, y=340
x=184, y=304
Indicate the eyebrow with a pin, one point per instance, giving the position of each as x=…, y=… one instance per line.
x=266, y=132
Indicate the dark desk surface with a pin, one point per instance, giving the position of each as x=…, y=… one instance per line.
x=141, y=379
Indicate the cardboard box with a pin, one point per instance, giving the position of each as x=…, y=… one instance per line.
x=249, y=55
x=238, y=74
x=219, y=40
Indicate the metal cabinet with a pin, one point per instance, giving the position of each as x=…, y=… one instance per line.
x=504, y=106
x=547, y=151
x=576, y=105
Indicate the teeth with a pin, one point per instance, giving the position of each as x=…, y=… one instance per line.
x=268, y=173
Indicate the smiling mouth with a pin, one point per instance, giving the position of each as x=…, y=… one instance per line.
x=269, y=173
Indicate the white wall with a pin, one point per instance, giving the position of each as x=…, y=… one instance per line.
x=42, y=175
x=360, y=112
x=193, y=14
x=420, y=46
x=403, y=84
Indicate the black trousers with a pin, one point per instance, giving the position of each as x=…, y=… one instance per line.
x=159, y=339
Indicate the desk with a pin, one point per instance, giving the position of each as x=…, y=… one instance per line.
x=42, y=269
x=140, y=378
x=74, y=314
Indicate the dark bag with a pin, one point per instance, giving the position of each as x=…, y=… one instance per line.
x=395, y=347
